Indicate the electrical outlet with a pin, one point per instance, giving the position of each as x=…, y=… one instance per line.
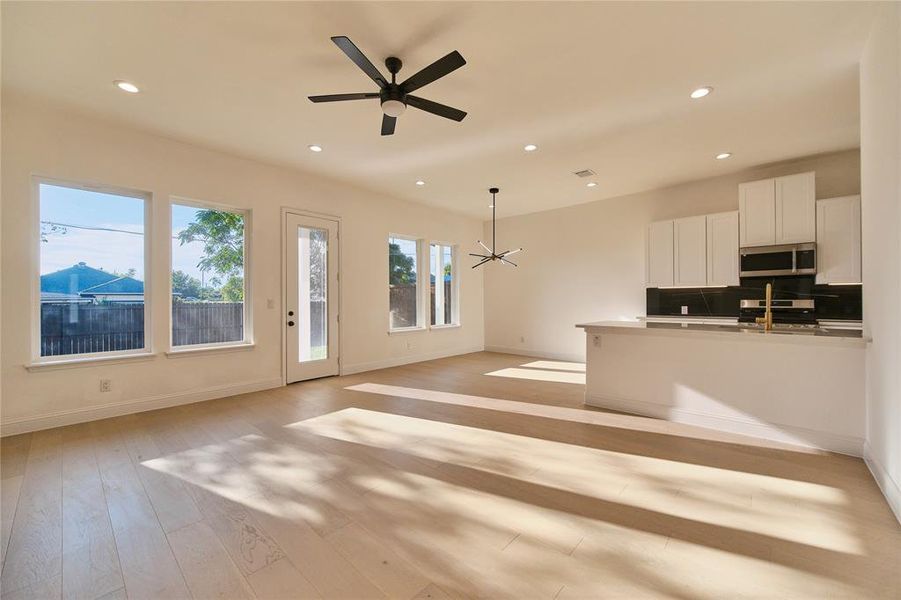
x=684, y=310
x=596, y=340
x=270, y=303
x=522, y=339
x=106, y=385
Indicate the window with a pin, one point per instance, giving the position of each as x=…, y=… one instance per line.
x=443, y=280
x=93, y=263
x=208, y=284
x=403, y=288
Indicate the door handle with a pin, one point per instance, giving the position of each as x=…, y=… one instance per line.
x=290, y=323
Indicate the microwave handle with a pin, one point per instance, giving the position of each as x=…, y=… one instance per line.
x=794, y=260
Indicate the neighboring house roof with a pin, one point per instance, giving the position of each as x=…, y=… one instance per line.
x=74, y=279
x=61, y=297
x=119, y=285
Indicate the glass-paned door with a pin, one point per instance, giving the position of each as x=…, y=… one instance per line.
x=311, y=319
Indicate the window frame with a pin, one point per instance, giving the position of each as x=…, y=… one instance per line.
x=35, y=261
x=247, y=311
x=455, y=283
x=421, y=289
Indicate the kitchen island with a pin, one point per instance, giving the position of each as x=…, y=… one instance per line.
x=801, y=386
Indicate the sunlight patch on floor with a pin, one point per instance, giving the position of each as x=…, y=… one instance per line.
x=556, y=365
x=575, y=415
x=540, y=375
x=713, y=495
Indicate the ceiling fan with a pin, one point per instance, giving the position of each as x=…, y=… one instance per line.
x=492, y=253
x=395, y=97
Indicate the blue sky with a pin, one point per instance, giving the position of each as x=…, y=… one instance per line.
x=107, y=250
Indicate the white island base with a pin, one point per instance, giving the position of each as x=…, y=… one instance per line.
x=800, y=389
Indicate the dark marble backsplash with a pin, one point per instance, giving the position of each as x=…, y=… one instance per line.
x=832, y=301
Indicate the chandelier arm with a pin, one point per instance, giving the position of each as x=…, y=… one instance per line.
x=509, y=252
x=479, y=255
x=482, y=262
x=509, y=262
x=487, y=249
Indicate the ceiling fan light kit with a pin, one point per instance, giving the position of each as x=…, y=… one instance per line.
x=396, y=97
x=492, y=254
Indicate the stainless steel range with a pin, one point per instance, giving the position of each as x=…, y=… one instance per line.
x=795, y=313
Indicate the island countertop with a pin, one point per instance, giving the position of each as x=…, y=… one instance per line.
x=733, y=330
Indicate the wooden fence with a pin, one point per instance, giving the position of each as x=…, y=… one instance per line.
x=402, y=303
x=82, y=328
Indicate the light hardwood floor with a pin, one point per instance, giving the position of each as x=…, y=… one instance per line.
x=474, y=476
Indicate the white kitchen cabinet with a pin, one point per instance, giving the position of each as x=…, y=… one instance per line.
x=780, y=210
x=722, y=248
x=838, y=240
x=796, y=212
x=660, y=254
x=690, y=251
x=757, y=206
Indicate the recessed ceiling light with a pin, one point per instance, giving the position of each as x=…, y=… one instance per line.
x=591, y=184
x=126, y=86
x=420, y=182
x=701, y=92
x=723, y=155
x=530, y=147
x=315, y=148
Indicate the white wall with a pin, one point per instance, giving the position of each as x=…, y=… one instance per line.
x=880, y=150
x=50, y=142
x=587, y=263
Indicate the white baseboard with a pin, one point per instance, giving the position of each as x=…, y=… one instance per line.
x=104, y=411
x=890, y=488
x=405, y=360
x=788, y=434
x=565, y=356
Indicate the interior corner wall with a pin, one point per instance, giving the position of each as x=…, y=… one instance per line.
x=880, y=150
x=587, y=262
x=47, y=141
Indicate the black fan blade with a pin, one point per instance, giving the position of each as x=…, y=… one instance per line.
x=354, y=54
x=388, y=124
x=436, y=70
x=448, y=112
x=339, y=97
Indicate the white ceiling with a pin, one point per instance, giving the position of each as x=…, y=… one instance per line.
x=596, y=85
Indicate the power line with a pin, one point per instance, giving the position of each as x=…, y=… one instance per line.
x=91, y=228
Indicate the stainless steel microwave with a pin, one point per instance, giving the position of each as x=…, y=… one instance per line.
x=774, y=261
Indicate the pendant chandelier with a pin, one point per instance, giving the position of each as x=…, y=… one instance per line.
x=492, y=254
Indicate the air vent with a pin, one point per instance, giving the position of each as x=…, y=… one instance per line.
x=584, y=173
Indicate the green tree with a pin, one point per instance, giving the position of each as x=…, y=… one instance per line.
x=131, y=272
x=401, y=268
x=222, y=236
x=233, y=290
x=184, y=284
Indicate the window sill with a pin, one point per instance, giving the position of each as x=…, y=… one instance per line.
x=449, y=326
x=204, y=350
x=406, y=330
x=91, y=361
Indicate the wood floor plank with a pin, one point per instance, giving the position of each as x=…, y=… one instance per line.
x=148, y=565
x=280, y=580
x=34, y=557
x=207, y=568
x=331, y=574
x=90, y=559
x=391, y=573
x=9, y=500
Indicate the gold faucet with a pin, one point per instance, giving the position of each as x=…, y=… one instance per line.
x=767, y=319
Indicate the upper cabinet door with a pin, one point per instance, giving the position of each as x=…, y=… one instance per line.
x=838, y=240
x=690, y=251
x=722, y=248
x=757, y=205
x=796, y=209
x=660, y=254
